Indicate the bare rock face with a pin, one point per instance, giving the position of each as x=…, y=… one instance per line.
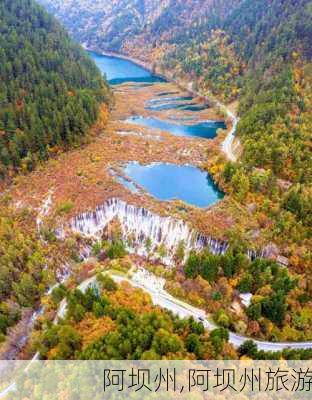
x=284, y=261
x=252, y=208
x=283, y=184
x=271, y=251
x=112, y=230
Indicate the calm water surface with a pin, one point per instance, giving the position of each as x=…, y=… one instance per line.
x=206, y=129
x=118, y=71
x=169, y=181
x=164, y=181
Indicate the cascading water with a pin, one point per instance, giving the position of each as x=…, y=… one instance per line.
x=140, y=226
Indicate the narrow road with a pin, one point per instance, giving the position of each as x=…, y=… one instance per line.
x=227, y=145
x=184, y=310
x=177, y=307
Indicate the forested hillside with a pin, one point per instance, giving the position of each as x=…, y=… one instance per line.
x=111, y=322
x=50, y=91
x=106, y=24
x=121, y=25
x=275, y=43
x=253, y=50
x=115, y=323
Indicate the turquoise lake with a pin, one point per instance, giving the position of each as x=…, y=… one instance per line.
x=169, y=181
x=118, y=70
x=168, y=106
x=206, y=129
x=164, y=181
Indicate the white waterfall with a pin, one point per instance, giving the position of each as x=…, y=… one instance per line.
x=139, y=225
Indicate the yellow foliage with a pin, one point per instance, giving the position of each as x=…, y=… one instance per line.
x=134, y=299
x=245, y=358
x=92, y=329
x=290, y=334
x=52, y=354
x=257, y=299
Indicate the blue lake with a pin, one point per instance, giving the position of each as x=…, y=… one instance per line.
x=171, y=105
x=170, y=99
x=194, y=107
x=118, y=70
x=169, y=181
x=206, y=129
x=168, y=106
x=167, y=93
x=164, y=181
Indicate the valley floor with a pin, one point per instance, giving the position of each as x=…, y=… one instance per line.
x=83, y=177
x=81, y=180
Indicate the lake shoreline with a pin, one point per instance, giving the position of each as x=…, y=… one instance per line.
x=135, y=61
x=227, y=145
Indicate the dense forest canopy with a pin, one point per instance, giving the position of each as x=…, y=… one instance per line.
x=112, y=322
x=274, y=40
x=49, y=89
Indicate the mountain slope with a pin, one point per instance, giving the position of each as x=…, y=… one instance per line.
x=50, y=91
x=256, y=50
x=276, y=97
x=160, y=32
x=104, y=23
x=109, y=25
